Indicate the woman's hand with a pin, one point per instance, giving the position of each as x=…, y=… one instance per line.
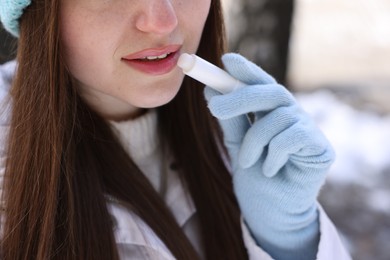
x=278, y=161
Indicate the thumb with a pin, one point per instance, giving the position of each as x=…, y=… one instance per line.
x=233, y=128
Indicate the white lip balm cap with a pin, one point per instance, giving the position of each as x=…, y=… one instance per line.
x=207, y=73
x=186, y=62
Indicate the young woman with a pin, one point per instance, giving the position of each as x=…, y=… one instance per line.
x=108, y=152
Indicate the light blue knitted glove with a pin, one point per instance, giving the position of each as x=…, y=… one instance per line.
x=10, y=12
x=279, y=161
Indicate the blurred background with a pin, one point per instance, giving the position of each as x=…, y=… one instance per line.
x=335, y=56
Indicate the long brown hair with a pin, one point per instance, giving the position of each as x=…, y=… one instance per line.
x=63, y=158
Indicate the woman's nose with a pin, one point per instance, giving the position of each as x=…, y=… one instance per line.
x=157, y=16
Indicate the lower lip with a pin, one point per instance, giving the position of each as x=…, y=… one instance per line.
x=157, y=67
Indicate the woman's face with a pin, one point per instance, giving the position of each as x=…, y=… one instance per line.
x=123, y=53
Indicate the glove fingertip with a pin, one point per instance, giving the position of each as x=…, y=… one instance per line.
x=244, y=162
x=245, y=70
x=209, y=93
x=233, y=57
x=269, y=171
x=269, y=174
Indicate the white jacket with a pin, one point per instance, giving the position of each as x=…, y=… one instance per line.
x=135, y=239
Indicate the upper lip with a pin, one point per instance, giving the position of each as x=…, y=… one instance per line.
x=152, y=52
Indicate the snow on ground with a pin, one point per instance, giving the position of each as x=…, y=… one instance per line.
x=361, y=138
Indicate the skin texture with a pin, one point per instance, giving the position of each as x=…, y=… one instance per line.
x=97, y=34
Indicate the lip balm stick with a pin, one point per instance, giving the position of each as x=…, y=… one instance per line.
x=207, y=73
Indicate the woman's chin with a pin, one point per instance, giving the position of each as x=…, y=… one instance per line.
x=158, y=99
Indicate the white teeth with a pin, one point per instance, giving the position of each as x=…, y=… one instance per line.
x=163, y=56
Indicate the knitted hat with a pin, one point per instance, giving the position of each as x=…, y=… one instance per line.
x=10, y=12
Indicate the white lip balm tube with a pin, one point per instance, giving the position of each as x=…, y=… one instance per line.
x=207, y=73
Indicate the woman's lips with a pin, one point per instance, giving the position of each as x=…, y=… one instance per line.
x=154, y=61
